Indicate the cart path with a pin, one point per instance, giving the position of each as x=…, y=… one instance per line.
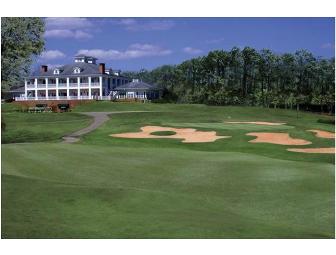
x=99, y=118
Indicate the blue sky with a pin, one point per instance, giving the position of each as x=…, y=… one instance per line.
x=135, y=43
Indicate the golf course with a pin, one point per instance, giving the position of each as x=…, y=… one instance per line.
x=125, y=179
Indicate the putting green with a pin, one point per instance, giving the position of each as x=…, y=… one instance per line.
x=163, y=133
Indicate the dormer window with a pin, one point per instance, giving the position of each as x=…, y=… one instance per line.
x=56, y=71
x=77, y=70
x=85, y=59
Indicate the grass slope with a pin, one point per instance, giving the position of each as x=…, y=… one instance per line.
x=105, y=187
x=96, y=192
x=37, y=127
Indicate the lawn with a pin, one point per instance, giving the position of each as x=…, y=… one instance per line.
x=38, y=127
x=106, y=187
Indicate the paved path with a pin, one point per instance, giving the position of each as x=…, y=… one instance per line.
x=98, y=119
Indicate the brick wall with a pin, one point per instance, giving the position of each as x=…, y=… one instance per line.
x=51, y=103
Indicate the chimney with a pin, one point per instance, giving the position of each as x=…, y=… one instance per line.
x=44, y=69
x=102, y=68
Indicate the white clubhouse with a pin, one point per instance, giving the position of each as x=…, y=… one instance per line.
x=83, y=80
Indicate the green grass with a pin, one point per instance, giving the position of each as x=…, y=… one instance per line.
x=212, y=118
x=227, y=126
x=163, y=133
x=106, y=187
x=94, y=192
x=37, y=127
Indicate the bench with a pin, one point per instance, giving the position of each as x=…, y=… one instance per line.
x=40, y=108
x=63, y=107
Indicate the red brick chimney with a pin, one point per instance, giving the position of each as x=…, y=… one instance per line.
x=102, y=68
x=44, y=69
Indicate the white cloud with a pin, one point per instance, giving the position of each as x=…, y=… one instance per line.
x=52, y=54
x=66, y=33
x=68, y=23
x=78, y=28
x=127, y=22
x=134, y=51
x=192, y=51
x=146, y=25
x=328, y=46
x=214, y=41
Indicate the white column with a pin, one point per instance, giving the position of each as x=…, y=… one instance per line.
x=35, y=88
x=100, y=86
x=46, y=81
x=68, y=85
x=78, y=84
x=25, y=88
x=89, y=78
x=57, y=88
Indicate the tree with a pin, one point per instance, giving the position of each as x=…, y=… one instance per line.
x=304, y=62
x=249, y=56
x=249, y=77
x=287, y=73
x=21, y=41
x=266, y=62
x=290, y=100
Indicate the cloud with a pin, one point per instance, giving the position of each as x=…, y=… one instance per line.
x=128, y=22
x=134, y=51
x=78, y=28
x=146, y=25
x=66, y=33
x=68, y=23
x=328, y=46
x=52, y=54
x=192, y=51
x=214, y=41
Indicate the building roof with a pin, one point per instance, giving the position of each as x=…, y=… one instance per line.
x=137, y=85
x=67, y=70
x=80, y=56
x=86, y=69
x=84, y=56
x=16, y=89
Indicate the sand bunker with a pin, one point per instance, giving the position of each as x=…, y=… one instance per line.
x=323, y=134
x=189, y=135
x=277, y=138
x=314, y=150
x=256, y=123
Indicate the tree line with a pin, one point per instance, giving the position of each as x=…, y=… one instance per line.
x=248, y=77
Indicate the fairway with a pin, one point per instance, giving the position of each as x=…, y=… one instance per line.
x=113, y=187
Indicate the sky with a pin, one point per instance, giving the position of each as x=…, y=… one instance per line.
x=131, y=44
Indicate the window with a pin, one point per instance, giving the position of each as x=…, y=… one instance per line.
x=56, y=71
x=77, y=70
